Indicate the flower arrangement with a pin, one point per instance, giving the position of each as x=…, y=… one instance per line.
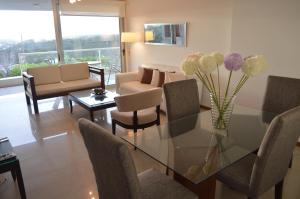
x=203, y=65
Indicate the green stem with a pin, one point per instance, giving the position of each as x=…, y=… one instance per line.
x=213, y=84
x=203, y=81
x=227, y=88
x=219, y=84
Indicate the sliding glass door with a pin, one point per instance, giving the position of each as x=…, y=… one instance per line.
x=27, y=39
x=55, y=31
x=92, y=39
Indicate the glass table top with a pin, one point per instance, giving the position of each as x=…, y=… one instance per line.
x=89, y=99
x=195, y=150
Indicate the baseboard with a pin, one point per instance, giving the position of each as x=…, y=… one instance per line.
x=11, y=81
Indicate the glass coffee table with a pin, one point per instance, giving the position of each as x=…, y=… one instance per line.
x=91, y=102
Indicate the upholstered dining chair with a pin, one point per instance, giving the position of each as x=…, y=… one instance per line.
x=282, y=94
x=256, y=173
x=182, y=99
x=115, y=171
x=138, y=110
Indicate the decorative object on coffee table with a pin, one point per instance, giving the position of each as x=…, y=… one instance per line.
x=222, y=99
x=91, y=102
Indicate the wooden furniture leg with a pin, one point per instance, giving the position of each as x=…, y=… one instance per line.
x=205, y=189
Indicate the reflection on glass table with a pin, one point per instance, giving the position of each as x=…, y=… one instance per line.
x=194, y=150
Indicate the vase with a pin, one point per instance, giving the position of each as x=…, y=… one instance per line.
x=221, y=110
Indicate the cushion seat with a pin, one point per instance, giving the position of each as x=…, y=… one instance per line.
x=66, y=86
x=134, y=86
x=238, y=175
x=144, y=116
x=155, y=185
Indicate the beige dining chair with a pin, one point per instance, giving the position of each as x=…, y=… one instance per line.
x=256, y=173
x=182, y=99
x=138, y=110
x=282, y=94
x=115, y=171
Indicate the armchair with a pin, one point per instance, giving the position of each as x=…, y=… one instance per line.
x=136, y=111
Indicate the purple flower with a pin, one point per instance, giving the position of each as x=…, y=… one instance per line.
x=233, y=61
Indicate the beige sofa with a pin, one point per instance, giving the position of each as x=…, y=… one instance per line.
x=54, y=81
x=127, y=83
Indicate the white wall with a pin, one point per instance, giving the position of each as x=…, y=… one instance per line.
x=209, y=28
x=272, y=28
x=269, y=27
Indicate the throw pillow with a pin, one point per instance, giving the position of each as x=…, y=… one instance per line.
x=155, y=78
x=140, y=73
x=147, y=76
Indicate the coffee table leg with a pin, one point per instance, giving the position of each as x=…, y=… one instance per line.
x=71, y=106
x=92, y=115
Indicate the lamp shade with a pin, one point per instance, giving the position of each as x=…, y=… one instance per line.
x=129, y=37
x=149, y=36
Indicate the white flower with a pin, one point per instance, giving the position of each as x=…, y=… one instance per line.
x=219, y=57
x=207, y=64
x=254, y=65
x=191, y=64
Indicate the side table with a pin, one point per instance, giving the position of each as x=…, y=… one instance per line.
x=12, y=164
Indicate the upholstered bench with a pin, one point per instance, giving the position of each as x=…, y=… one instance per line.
x=54, y=81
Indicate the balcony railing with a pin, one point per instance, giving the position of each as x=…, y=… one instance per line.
x=107, y=58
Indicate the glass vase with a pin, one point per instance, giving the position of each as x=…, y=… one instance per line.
x=221, y=110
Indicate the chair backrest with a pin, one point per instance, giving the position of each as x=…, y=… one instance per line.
x=275, y=151
x=182, y=99
x=282, y=94
x=139, y=101
x=113, y=166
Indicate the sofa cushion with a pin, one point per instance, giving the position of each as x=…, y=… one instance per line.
x=134, y=86
x=71, y=72
x=81, y=84
x=66, y=86
x=45, y=75
x=47, y=89
x=144, y=116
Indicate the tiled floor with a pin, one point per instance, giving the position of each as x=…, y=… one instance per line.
x=53, y=158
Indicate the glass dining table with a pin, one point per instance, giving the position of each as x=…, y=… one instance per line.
x=196, y=152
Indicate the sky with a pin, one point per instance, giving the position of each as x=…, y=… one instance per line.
x=39, y=25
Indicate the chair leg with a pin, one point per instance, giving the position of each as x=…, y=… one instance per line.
x=27, y=99
x=135, y=131
x=291, y=162
x=113, y=122
x=167, y=171
x=35, y=106
x=278, y=190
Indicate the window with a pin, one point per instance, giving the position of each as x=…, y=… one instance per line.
x=92, y=39
x=27, y=39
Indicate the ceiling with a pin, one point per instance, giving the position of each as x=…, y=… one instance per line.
x=25, y=4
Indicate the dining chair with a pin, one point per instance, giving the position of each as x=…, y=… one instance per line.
x=256, y=173
x=138, y=110
x=282, y=94
x=115, y=171
x=182, y=99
